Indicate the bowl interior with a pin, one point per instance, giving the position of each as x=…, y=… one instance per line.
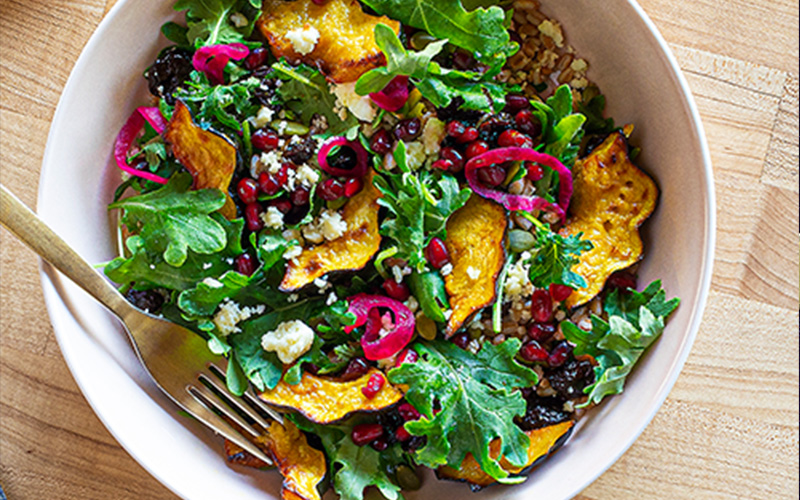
x=629, y=63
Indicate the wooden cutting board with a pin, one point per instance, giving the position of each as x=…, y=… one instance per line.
x=728, y=430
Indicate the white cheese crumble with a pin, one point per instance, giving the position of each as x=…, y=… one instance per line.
x=360, y=106
x=238, y=19
x=518, y=283
x=415, y=155
x=291, y=339
x=273, y=218
x=303, y=39
x=230, y=314
x=268, y=162
x=263, y=117
x=328, y=225
x=292, y=252
x=306, y=175
x=332, y=298
x=473, y=273
x=446, y=269
x=211, y=282
x=412, y=304
x=397, y=273
x=432, y=135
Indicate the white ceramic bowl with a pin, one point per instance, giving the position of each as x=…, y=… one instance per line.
x=643, y=85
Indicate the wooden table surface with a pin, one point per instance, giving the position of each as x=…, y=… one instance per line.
x=728, y=430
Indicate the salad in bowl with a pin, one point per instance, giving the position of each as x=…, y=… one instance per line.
x=407, y=225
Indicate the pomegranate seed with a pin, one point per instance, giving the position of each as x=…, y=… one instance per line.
x=514, y=138
x=533, y=352
x=256, y=58
x=330, y=190
x=408, y=129
x=541, y=332
x=379, y=444
x=265, y=140
x=282, y=205
x=395, y=290
x=516, y=102
x=374, y=385
x=381, y=142
x=455, y=158
x=436, y=253
x=353, y=186
x=401, y=434
x=455, y=129
x=299, y=196
x=541, y=306
x=319, y=2
x=463, y=60
x=461, y=340
x=621, y=280
x=252, y=214
x=535, y=172
x=559, y=354
x=408, y=412
x=527, y=123
x=491, y=176
x=560, y=292
x=245, y=264
x=476, y=148
x=469, y=135
x=406, y=356
x=445, y=165
x=268, y=184
x=355, y=369
x=247, y=190
x=364, y=434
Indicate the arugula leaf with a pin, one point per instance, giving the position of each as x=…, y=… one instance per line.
x=419, y=205
x=209, y=21
x=478, y=398
x=305, y=92
x=173, y=219
x=562, y=129
x=636, y=320
x=593, y=110
x=354, y=468
x=483, y=32
x=223, y=105
x=204, y=299
x=439, y=85
x=554, y=256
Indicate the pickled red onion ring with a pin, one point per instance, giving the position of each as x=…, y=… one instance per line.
x=393, y=96
x=365, y=307
x=212, y=59
x=127, y=135
x=361, y=168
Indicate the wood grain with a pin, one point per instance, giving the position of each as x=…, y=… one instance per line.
x=728, y=430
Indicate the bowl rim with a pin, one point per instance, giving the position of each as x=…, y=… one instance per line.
x=53, y=296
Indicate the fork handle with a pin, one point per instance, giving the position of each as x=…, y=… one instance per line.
x=28, y=227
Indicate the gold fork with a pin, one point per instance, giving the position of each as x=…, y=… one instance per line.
x=177, y=359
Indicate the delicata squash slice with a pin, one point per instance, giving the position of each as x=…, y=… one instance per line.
x=324, y=401
x=612, y=199
x=209, y=157
x=474, y=241
x=350, y=252
x=543, y=442
x=345, y=48
x=302, y=466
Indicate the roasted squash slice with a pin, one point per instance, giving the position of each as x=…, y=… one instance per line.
x=352, y=251
x=474, y=241
x=544, y=441
x=302, y=466
x=346, y=46
x=612, y=199
x=209, y=157
x=324, y=400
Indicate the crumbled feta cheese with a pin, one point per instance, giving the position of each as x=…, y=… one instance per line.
x=303, y=39
x=553, y=30
x=291, y=339
x=412, y=304
x=446, y=269
x=415, y=155
x=292, y=298
x=207, y=265
x=518, y=283
x=292, y=252
x=332, y=298
x=397, y=273
x=268, y=162
x=313, y=234
x=263, y=117
x=273, y=218
x=473, y=273
x=447, y=314
x=360, y=106
x=212, y=283
x=306, y=175
x=432, y=135
x=329, y=225
x=230, y=314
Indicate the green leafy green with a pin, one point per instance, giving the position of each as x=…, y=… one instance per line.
x=173, y=219
x=219, y=105
x=554, y=256
x=635, y=321
x=306, y=93
x=204, y=299
x=419, y=205
x=354, y=468
x=478, y=398
x=593, y=109
x=210, y=21
x=482, y=32
x=562, y=129
x=439, y=85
